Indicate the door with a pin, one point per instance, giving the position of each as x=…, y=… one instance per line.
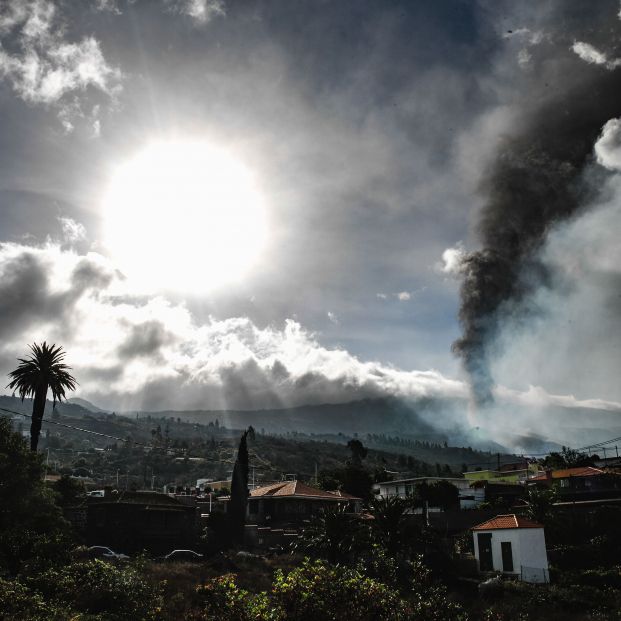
x=507, y=556
x=486, y=562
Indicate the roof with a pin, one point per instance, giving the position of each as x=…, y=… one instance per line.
x=147, y=499
x=416, y=479
x=565, y=473
x=511, y=520
x=297, y=489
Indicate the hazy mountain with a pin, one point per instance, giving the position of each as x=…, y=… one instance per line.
x=87, y=405
x=512, y=427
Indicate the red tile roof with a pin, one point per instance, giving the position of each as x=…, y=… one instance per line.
x=507, y=521
x=583, y=471
x=297, y=489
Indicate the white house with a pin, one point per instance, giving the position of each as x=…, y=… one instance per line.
x=406, y=487
x=512, y=545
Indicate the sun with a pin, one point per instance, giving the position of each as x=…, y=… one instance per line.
x=184, y=216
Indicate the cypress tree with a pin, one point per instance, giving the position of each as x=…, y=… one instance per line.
x=239, y=491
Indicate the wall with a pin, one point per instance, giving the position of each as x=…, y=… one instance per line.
x=528, y=547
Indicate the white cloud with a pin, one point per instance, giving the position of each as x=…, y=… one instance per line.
x=452, y=260
x=149, y=353
x=524, y=57
x=72, y=231
x=110, y=6
x=333, y=318
x=536, y=396
x=381, y=296
x=590, y=54
x=403, y=296
x=43, y=67
x=608, y=145
x=202, y=11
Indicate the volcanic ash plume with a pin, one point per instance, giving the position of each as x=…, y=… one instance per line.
x=536, y=181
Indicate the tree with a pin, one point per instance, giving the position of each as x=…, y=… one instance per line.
x=390, y=526
x=32, y=529
x=239, y=490
x=540, y=503
x=358, y=452
x=42, y=370
x=335, y=535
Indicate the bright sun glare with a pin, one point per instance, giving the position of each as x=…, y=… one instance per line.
x=184, y=216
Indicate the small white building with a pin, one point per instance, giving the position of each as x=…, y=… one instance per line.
x=512, y=545
x=405, y=488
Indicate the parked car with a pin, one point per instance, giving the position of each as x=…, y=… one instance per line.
x=106, y=553
x=182, y=555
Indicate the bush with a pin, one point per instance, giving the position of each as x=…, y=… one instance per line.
x=96, y=587
x=319, y=591
x=19, y=603
x=224, y=600
x=334, y=593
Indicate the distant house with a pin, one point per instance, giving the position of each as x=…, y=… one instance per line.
x=495, y=491
x=405, y=488
x=505, y=475
x=132, y=521
x=294, y=502
x=512, y=545
x=582, y=483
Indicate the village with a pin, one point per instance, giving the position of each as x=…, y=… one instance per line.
x=539, y=522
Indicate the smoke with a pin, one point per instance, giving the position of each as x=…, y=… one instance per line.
x=536, y=181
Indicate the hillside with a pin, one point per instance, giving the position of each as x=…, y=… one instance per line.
x=175, y=450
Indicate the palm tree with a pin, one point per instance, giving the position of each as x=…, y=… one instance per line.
x=42, y=370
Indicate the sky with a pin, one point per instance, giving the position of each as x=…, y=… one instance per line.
x=247, y=204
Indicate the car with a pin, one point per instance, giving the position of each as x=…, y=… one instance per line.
x=106, y=553
x=182, y=555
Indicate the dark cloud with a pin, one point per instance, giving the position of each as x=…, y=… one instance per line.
x=145, y=339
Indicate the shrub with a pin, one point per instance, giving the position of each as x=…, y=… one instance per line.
x=224, y=600
x=316, y=590
x=96, y=587
x=19, y=603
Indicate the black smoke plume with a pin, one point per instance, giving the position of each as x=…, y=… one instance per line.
x=536, y=181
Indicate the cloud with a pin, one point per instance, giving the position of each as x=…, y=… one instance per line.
x=149, y=353
x=130, y=352
x=72, y=231
x=110, y=6
x=452, y=260
x=608, y=146
x=333, y=318
x=592, y=55
x=45, y=68
x=403, y=296
x=202, y=11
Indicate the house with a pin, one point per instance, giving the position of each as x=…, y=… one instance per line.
x=294, y=502
x=582, y=483
x=496, y=492
x=504, y=476
x=513, y=545
x=405, y=488
x=132, y=521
